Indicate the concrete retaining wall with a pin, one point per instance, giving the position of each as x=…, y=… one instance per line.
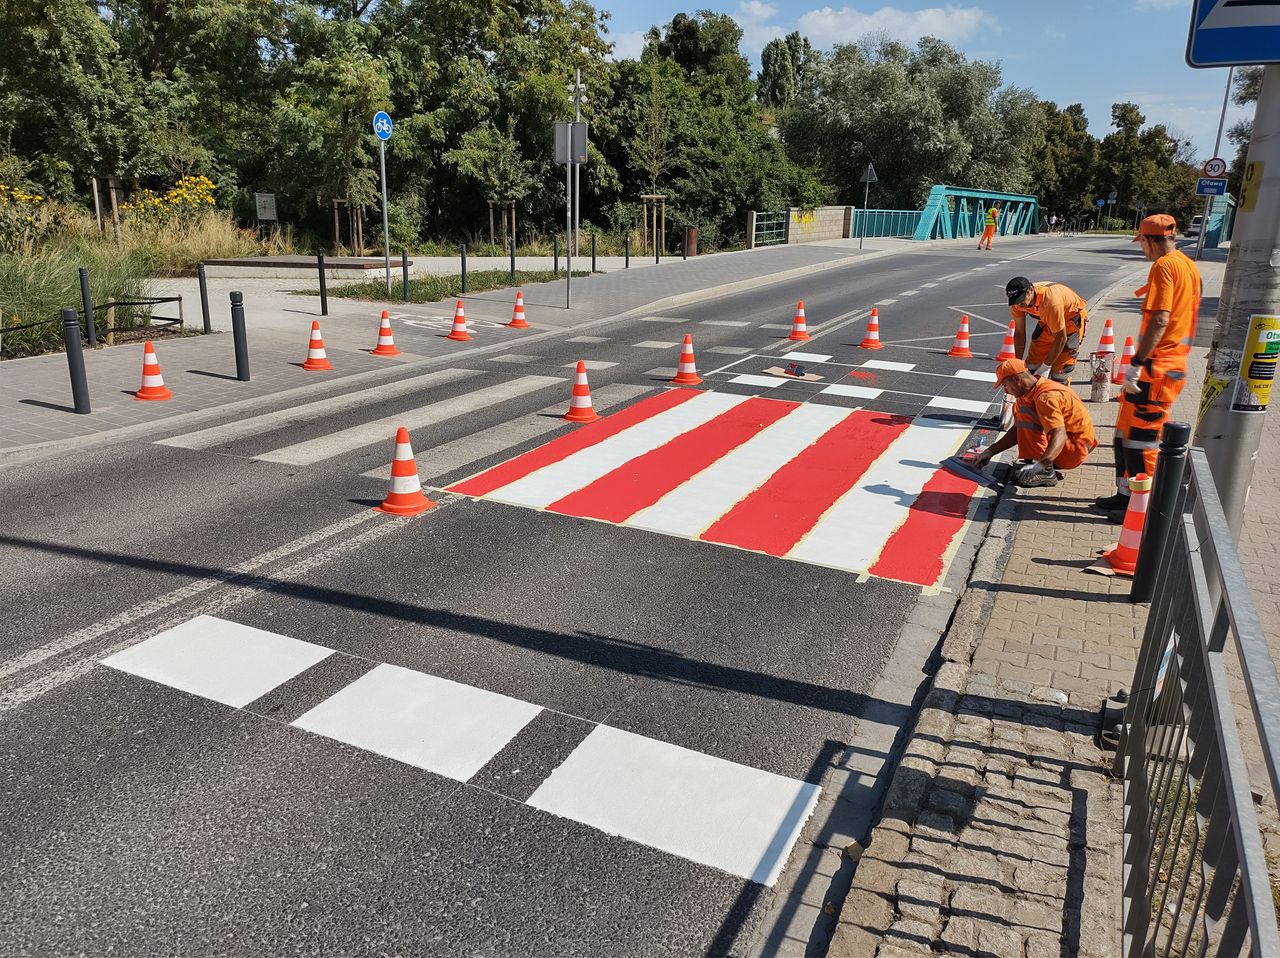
x=821, y=223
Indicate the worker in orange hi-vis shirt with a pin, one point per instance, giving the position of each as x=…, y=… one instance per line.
x=1158, y=370
x=1060, y=325
x=1051, y=427
x=993, y=217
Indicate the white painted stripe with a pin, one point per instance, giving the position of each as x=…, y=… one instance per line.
x=422, y=720
x=546, y=485
x=654, y=344
x=590, y=364
x=775, y=325
x=730, y=350
x=928, y=285
x=588, y=339
x=886, y=302
x=909, y=292
x=746, y=379
x=855, y=529
x=219, y=660
x=462, y=452
x=963, y=405
x=739, y=819
x=659, y=319
x=974, y=374
x=807, y=357
x=346, y=440
x=723, y=322
x=257, y=425
x=857, y=392
x=886, y=364
x=691, y=508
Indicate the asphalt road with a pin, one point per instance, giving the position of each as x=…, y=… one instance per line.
x=623, y=728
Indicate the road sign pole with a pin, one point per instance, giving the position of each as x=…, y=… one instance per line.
x=386, y=237
x=568, y=232
x=1217, y=142
x=1229, y=434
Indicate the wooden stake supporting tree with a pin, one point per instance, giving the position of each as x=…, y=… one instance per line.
x=655, y=217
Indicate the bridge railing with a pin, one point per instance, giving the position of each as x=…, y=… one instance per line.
x=954, y=212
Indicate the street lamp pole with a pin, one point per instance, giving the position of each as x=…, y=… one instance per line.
x=577, y=90
x=1217, y=142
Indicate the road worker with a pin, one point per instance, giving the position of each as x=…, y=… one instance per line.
x=993, y=217
x=1052, y=429
x=1060, y=325
x=1158, y=370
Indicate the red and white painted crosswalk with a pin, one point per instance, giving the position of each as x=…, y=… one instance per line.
x=850, y=489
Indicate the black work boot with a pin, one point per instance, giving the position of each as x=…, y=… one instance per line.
x=1111, y=503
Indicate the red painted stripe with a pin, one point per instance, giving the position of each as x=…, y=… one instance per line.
x=639, y=483
x=915, y=551
x=778, y=514
x=565, y=446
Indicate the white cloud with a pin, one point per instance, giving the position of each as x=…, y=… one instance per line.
x=628, y=46
x=754, y=18
x=846, y=25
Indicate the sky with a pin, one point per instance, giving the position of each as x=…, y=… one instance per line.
x=1093, y=52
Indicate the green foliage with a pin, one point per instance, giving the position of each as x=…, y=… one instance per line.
x=433, y=289
x=785, y=64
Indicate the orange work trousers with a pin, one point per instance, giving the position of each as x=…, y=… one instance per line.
x=1032, y=444
x=1144, y=413
x=987, y=235
x=1065, y=364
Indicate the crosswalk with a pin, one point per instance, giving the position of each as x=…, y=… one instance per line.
x=706, y=809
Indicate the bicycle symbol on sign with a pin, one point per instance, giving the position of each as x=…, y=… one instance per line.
x=382, y=125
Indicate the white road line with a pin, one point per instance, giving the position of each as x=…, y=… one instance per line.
x=909, y=292
x=972, y=315
x=588, y=339
x=854, y=530
x=887, y=365
x=660, y=319
x=856, y=392
x=257, y=425
x=746, y=379
x=943, y=279
x=723, y=322
x=543, y=487
x=729, y=350
x=591, y=364
x=982, y=377
x=654, y=344
x=224, y=661
x=886, y=302
x=928, y=285
x=189, y=591
x=739, y=819
x=422, y=720
x=513, y=358
x=383, y=430
x=963, y=405
x=807, y=357
x=776, y=325
x=692, y=507
x=442, y=460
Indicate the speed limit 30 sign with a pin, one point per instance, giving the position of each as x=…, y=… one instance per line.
x=1215, y=167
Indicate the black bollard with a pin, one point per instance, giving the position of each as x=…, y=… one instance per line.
x=593, y=252
x=240, y=336
x=462, y=252
x=86, y=302
x=324, y=286
x=626, y=251
x=75, y=359
x=1162, y=508
x=404, y=271
x=204, y=298
x=555, y=255
x=513, y=259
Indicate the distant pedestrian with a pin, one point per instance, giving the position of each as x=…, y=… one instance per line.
x=1053, y=222
x=993, y=217
x=1060, y=325
x=1158, y=370
x=1051, y=429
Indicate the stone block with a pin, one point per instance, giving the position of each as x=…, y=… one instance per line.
x=999, y=940
x=910, y=934
x=920, y=901
x=960, y=936
x=979, y=903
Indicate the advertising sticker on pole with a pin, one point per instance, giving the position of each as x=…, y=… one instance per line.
x=1258, y=366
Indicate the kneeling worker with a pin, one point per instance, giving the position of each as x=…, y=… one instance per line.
x=1052, y=429
x=1060, y=325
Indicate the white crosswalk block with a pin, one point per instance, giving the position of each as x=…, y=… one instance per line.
x=739, y=819
x=807, y=357
x=961, y=405
x=976, y=375
x=856, y=392
x=219, y=660
x=888, y=365
x=749, y=379
x=422, y=720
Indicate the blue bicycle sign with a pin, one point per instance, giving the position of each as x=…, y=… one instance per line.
x=382, y=125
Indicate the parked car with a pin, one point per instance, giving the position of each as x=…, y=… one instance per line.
x=1194, y=229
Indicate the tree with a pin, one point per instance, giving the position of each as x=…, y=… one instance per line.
x=1062, y=170
x=784, y=66
x=703, y=45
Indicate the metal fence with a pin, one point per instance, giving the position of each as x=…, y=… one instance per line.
x=771, y=228
x=1195, y=873
x=889, y=223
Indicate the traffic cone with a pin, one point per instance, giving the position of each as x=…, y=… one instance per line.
x=1008, y=350
x=517, y=318
x=404, y=494
x=1107, y=344
x=580, y=399
x=1123, y=556
x=687, y=371
x=1126, y=358
x=386, y=345
x=871, y=340
x=153, y=386
x=316, y=359
x=960, y=348
x=798, y=328
x=459, y=331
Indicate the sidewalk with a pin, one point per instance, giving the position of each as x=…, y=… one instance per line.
x=1001, y=833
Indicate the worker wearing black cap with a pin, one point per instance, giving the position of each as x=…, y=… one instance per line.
x=1060, y=325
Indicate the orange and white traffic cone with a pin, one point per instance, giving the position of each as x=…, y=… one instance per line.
x=580, y=409
x=1123, y=556
x=386, y=345
x=687, y=371
x=871, y=339
x=1107, y=344
x=798, y=328
x=316, y=358
x=1008, y=350
x=153, y=386
x=1126, y=358
x=404, y=494
x=517, y=317
x=960, y=347
x=459, y=331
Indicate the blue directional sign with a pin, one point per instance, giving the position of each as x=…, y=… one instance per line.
x=1234, y=33
x=1210, y=187
x=382, y=125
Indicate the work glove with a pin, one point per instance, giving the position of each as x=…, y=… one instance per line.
x=1131, y=378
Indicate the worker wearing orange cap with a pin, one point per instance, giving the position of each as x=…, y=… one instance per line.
x=1051, y=429
x=993, y=217
x=1060, y=325
x=1158, y=370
